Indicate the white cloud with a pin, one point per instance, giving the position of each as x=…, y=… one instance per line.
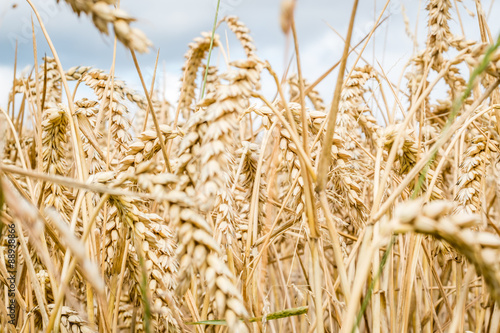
x=6, y=73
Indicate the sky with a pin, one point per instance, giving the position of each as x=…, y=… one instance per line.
x=171, y=25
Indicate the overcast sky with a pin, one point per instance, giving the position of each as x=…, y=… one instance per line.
x=171, y=25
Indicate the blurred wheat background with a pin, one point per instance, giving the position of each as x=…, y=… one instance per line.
x=254, y=197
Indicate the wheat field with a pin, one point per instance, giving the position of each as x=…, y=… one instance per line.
x=234, y=209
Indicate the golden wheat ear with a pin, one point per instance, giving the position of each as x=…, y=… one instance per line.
x=104, y=14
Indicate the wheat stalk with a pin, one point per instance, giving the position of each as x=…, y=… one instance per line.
x=224, y=228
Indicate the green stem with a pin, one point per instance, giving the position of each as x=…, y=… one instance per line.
x=372, y=285
x=144, y=292
x=210, y=50
x=272, y=316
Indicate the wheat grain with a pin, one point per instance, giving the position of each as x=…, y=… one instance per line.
x=221, y=116
x=194, y=57
x=144, y=148
x=71, y=321
x=480, y=247
x=439, y=31
x=475, y=162
x=242, y=33
x=55, y=141
x=313, y=94
x=102, y=15
x=86, y=113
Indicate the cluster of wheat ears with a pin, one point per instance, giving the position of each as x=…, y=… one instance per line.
x=242, y=210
